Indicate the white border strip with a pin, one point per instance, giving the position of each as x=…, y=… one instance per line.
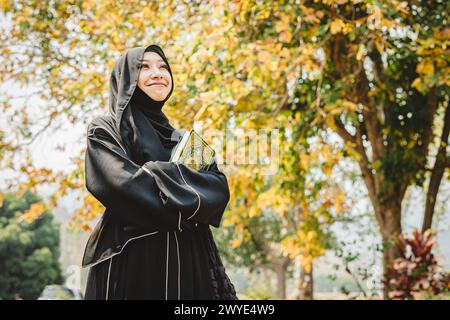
x=107, y=280
x=167, y=263
x=178, y=256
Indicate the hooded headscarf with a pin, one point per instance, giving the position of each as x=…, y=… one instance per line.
x=145, y=129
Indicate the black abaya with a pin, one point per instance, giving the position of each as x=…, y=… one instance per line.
x=153, y=240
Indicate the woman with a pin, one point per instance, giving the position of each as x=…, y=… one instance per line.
x=153, y=240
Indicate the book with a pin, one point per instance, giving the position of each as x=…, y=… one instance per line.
x=193, y=151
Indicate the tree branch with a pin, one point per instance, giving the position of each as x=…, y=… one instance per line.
x=364, y=165
x=370, y=114
x=437, y=173
x=355, y=278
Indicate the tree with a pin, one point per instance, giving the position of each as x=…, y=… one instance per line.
x=274, y=219
x=376, y=74
x=29, y=251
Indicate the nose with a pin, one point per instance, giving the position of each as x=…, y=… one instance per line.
x=155, y=72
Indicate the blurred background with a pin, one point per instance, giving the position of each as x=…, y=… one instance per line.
x=331, y=119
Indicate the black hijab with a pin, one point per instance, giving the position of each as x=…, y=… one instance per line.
x=147, y=131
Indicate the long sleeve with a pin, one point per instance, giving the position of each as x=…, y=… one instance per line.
x=200, y=195
x=126, y=189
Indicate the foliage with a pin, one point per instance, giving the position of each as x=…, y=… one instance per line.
x=261, y=291
x=285, y=215
x=417, y=272
x=376, y=73
x=29, y=251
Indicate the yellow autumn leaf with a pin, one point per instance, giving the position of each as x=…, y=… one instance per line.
x=235, y=243
x=5, y=5
x=336, y=26
x=35, y=210
x=350, y=106
x=305, y=160
x=425, y=67
x=339, y=202
x=289, y=247
x=86, y=227
x=306, y=262
x=286, y=36
x=376, y=164
x=252, y=212
x=360, y=53
x=311, y=235
x=282, y=24
x=239, y=228
x=329, y=120
x=327, y=169
x=87, y=5
x=417, y=83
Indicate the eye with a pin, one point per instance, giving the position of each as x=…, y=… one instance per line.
x=165, y=66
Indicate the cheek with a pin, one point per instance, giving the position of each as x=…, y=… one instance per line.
x=169, y=79
x=142, y=77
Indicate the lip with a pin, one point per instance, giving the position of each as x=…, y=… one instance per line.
x=157, y=84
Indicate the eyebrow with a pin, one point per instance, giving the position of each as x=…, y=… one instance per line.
x=159, y=60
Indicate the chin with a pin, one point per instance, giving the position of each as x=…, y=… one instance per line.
x=157, y=98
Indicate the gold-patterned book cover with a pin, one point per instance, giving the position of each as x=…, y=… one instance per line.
x=193, y=151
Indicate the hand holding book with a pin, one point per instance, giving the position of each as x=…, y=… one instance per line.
x=193, y=151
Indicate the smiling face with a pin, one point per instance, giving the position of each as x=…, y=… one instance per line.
x=154, y=77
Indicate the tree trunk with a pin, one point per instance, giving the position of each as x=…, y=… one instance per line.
x=390, y=231
x=281, y=271
x=306, y=284
x=281, y=281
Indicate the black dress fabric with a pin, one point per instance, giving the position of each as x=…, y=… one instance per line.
x=154, y=239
